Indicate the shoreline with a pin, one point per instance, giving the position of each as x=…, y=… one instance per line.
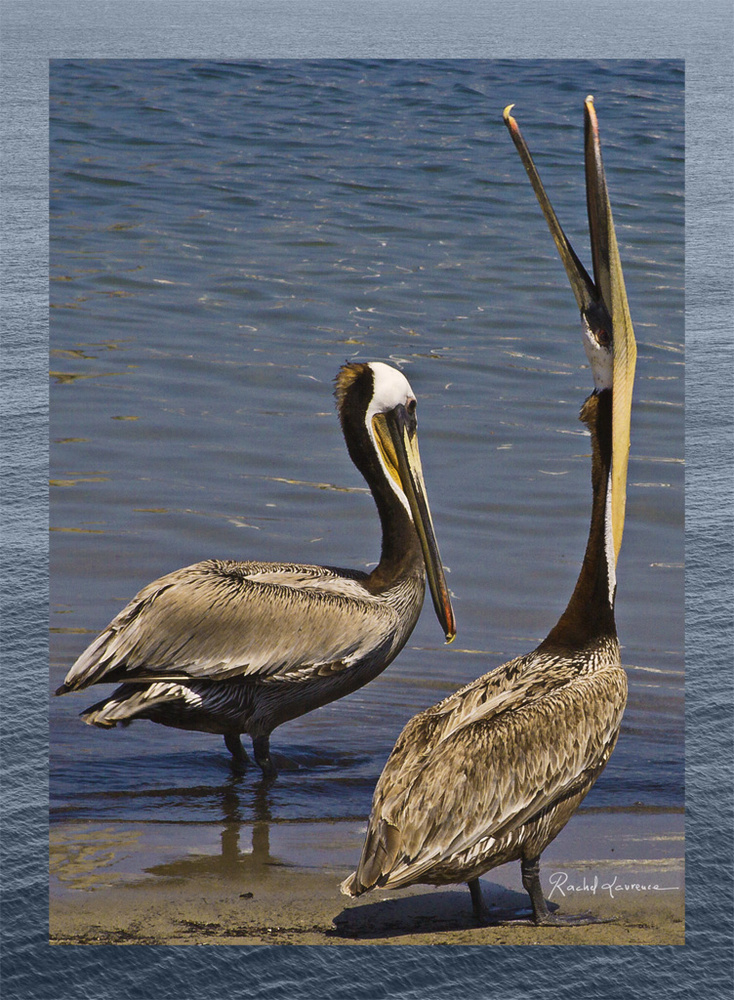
x=158, y=884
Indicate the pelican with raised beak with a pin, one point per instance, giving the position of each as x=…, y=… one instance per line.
x=495, y=771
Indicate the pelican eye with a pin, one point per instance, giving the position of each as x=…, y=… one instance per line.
x=411, y=423
x=602, y=337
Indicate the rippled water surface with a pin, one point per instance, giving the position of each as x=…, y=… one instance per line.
x=223, y=238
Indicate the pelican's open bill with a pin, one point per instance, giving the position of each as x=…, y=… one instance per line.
x=494, y=772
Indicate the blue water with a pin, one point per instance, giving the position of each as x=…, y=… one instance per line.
x=222, y=238
x=430, y=225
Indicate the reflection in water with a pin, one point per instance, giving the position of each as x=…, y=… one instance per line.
x=97, y=857
x=87, y=858
x=234, y=862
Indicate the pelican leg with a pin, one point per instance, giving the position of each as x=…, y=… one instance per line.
x=530, y=868
x=480, y=910
x=541, y=914
x=261, y=748
x=233, y=743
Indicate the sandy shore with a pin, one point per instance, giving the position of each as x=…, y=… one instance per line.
x=163, y=883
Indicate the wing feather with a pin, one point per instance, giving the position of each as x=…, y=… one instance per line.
x=485, y=761
x=224, y=620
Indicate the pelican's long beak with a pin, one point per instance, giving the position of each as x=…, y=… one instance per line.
x=398, y=440
x=581, y=284
x=610, y=284
x=603, y=301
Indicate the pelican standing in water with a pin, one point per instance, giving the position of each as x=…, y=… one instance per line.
x=495, y=771
x=241, y=647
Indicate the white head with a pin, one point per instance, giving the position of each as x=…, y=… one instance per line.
x=391, y=389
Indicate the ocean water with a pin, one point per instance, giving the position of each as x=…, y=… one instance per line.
x=223, y=236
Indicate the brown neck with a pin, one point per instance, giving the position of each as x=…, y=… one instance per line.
x=589, y=615
x=401, y=553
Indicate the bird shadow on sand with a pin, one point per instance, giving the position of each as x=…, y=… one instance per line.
x=431, y=911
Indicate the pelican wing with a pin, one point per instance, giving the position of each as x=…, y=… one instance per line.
x=225, y=620
x=451, y=789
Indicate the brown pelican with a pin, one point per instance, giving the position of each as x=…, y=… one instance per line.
x=241, y=647
x=494, y=772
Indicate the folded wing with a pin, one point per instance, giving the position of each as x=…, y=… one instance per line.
x=227, y=620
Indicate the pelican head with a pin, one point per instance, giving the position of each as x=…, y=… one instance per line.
x=608, y=337
x=377, y=410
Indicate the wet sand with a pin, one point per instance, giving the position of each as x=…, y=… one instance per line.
x=161, y=883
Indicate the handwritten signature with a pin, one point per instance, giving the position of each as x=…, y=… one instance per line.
x=561, y=883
